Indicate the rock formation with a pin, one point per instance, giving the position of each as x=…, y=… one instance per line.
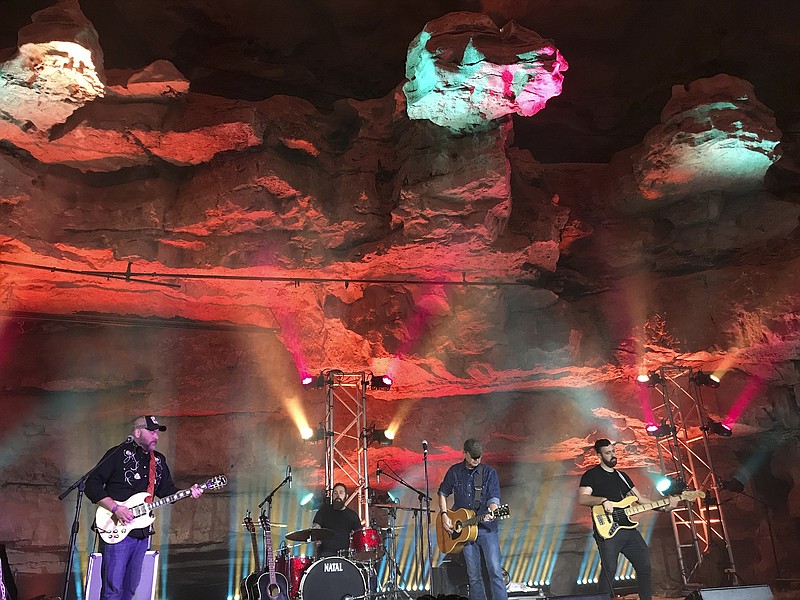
x=170, y=251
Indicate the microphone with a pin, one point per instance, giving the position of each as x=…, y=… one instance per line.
x=425, y=446
x=378, y=474
x=289, y=475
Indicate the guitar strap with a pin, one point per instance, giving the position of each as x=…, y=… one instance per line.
x=476, y=503
x=625, y=481
x=151, y=477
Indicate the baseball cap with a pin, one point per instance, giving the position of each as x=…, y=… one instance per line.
x=150, y=423
x=473, y=447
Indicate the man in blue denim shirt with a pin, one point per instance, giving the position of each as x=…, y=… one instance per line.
x=460, y=480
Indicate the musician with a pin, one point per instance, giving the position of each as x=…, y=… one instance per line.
x=476, y=486
x=130, y=468
x=339, y=519
x=603, y=484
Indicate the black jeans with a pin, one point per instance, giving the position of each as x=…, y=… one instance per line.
x=631, y=544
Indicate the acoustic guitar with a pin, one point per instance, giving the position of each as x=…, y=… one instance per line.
x=608, y=524
x=271, y=585
x=465, y=527
x=248, y=587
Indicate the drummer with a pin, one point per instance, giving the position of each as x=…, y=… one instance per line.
x=339, y=519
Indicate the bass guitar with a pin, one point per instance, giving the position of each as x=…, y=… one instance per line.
x=271, y=585
x=248, y=588
x=608, y=524
x=465, y=527
x=113, y=532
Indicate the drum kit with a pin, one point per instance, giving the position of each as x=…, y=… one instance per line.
x=351, y=575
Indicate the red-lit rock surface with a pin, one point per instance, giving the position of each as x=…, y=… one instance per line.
x=597, y=271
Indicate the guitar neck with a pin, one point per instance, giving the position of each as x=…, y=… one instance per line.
x=265, y=526
x=254, y=542
x=145, y=508
x=635, y=510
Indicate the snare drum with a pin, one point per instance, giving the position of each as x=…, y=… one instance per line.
x=366, y=544
x=292, y=568
x=332, y=578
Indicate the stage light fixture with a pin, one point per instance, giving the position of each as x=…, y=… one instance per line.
x=310, y=501
x=707, y=379
x=651, y=379
x=313, y=436
x=659, y=430
x=717, y=428
x=312, y=382
x=380, y=382
x=732, y=485
x=382, y=437
x=670, y=486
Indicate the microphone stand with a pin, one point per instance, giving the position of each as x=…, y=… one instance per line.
x=272, y=493
x=73, y=536
x=422, y=496
x=429, y=578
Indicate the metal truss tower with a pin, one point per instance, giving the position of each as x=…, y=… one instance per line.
x=346, y=436
x=684, y=453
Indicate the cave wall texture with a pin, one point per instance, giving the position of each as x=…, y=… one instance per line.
x=514, y=211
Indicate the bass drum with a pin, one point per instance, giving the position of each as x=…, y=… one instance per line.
x=332, y=578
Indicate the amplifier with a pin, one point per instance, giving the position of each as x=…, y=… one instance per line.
x=147, y=584
x=741, y=592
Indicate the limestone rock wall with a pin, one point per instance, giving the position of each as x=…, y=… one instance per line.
x=182, y=254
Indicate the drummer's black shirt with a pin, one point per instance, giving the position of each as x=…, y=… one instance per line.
x=341, y=522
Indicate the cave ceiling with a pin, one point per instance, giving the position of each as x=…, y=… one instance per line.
x=257, y=158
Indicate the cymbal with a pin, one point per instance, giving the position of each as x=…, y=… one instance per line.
x=315, y=534
x=393, y=527
x=397, y=507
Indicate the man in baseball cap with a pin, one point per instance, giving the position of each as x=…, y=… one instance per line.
x=150, y=423
x=125, y=471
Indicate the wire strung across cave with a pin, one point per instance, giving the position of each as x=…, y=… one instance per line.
x=128, y=275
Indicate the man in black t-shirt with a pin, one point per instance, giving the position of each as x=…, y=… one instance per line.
x=603, y=484
x=338, y=518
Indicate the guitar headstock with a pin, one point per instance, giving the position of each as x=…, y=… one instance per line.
x=502, y=512
x=215, y=483
x=248, y=523
x=692, y=495
x=263, y=520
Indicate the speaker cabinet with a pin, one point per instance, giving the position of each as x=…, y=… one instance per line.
x=742, y=592
x=147, y=584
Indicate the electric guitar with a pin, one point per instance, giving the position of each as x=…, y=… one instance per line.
x=271, y=585
x=248, y=588
x=114, y=532
x=608, y=525
x=465, y=527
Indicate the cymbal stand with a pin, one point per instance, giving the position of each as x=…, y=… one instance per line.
x=419, y=514
x=393, y=588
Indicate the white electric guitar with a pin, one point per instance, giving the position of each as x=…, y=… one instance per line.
x=114, y=532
